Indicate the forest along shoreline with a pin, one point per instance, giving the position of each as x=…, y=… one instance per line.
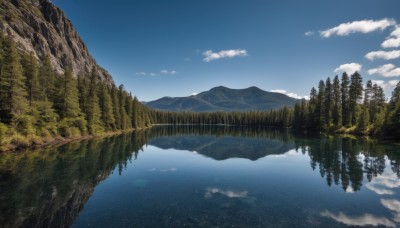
x=39, y=106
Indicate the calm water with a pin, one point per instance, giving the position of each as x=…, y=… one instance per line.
x=203, y=177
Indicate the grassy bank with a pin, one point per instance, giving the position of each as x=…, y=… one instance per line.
x=15, y=141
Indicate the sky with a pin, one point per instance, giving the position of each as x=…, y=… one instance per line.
x=182, y=47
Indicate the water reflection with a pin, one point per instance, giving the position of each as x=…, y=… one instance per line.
x=344, y=161
x=49, y=187
x=363, y=220
x=221, y=143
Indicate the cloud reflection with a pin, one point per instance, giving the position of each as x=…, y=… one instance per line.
x=173, y=169
x=378, y=190
x=363, y=220
x=228, y=193
x=383, y=184
x=394, y=206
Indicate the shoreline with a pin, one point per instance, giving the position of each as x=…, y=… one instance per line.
x=59, y=140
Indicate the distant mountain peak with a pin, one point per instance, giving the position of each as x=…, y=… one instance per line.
x=222, y=98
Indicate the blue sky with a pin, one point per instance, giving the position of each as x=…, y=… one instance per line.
x=176, y=48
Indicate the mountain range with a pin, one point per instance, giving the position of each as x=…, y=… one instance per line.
x=225, y=99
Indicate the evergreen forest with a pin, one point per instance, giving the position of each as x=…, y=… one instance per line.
x=37, y=105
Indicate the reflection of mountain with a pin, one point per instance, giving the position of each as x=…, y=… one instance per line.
x=224, y=147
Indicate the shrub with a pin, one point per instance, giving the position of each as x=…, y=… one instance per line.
x=3, y=131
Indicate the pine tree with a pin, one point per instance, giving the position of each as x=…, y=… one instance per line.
x=393, y=114
x=337, y=107
x=47, y=79
x=136, y=113
x=368, y=104
x=355, y=95
x=312, y=109
x=94, y=112
x=129, y=111
x=68, y=105
x=395, y=96
x=13, y=102
x=73, y=121
x=107, y=114
x=84, y=94
x=377, y=102
x=364, y=119
x=30, y=66
x=116, y=107
x=321, y=104
x=344, y=89
x=328, y=101
x=122, y=107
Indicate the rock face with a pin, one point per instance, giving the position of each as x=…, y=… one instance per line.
x=40, y=27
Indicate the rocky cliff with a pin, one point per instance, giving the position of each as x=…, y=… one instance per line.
x=40, y=27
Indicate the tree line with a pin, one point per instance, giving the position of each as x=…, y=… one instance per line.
x=343, y=105
x=346, y=105
x=36, y=102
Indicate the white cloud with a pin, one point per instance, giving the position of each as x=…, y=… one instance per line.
x=387, y=55
x=364, y=26
x=309, y=33
x=294, y=95
x=393, y=83
x=387, y=70
x=279, y=91
x=194, y=94
x=393, y=40
x=228, y=193
x=172, y=72
x=165, y=72
x=209, y=55
x=385, y=85
x=380, y=83
x=363, y=220
x=391, y=43
x=146, y=74
x=349, y=68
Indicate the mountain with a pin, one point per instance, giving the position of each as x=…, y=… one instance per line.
x=40, y=27
x=224, y=99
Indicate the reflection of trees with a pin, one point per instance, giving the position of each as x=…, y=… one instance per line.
x=345, y=160
x=48, y=187
x=220, y=130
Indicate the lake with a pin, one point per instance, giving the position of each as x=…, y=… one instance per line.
x=207, y=176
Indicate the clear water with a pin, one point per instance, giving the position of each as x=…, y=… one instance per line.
x=203, y=177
